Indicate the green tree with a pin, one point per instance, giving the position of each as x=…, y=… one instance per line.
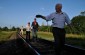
x=13, y=28
x=82, y=13
x=0, y=29
x=79, y=24
x=5, y=28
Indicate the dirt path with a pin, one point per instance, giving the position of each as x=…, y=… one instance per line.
x=13, y=36
x=9, y=46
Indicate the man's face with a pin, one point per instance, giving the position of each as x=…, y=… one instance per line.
x=34, y=20
x=58, y=8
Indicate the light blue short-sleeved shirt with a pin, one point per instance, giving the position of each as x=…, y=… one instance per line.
x=58, y=19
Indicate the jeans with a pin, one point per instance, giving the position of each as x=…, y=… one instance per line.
x=34, y=34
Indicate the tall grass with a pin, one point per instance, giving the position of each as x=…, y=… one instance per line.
x=46, y=35
x=72, y=39
x=76, y=40
x=5, y=35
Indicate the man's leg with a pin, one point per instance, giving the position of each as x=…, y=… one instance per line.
x=26, y=35
x=29, y=35
x=36, y=35
x=62, y=39
x=57, y=44
x=33, y=34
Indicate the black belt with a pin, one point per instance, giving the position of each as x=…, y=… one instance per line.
x=58, y=28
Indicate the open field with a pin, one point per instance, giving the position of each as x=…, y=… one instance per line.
x=5, y=35
x=72, y=39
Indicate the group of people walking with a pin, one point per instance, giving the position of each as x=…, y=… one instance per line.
x=31, y=28
x=58, y=22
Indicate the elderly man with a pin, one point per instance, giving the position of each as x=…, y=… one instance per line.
x=58, y=22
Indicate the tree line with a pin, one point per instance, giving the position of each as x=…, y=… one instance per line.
x=7, y=29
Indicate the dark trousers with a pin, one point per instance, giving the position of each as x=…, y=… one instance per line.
x=27, y=35
x=59, y=39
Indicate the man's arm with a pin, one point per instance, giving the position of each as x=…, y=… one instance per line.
x=32, y=24
x=40, y=16
x=68, y=21
x=47, y=18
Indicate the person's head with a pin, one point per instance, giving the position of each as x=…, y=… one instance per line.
x=58, y=7
x=34, y=19
x=28, y=23
x=22, y=26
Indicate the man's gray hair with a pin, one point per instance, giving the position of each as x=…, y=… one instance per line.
x=58, y=4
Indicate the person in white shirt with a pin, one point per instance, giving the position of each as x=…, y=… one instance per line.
x=58, y=22
x=28, y=29
x=21, y=30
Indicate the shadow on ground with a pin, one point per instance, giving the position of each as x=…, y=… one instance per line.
x=14, y=47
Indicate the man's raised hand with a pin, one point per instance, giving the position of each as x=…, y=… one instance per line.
x=39, y=16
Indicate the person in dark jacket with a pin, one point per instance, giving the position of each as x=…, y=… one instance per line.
x=34, y=29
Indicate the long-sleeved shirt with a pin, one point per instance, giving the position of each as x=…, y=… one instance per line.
x=58, y=19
